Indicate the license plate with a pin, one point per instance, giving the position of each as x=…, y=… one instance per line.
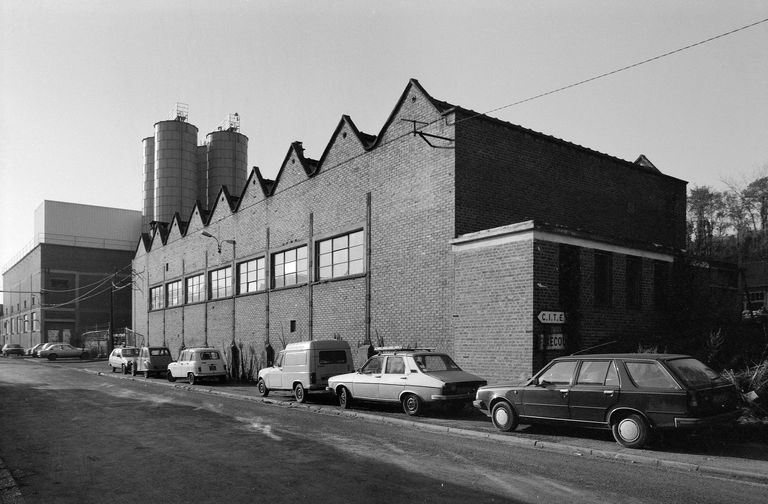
x=212, y=367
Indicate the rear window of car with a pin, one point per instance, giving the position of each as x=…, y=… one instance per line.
x=435, y=362
x=130, y=352
x=159, y=351
x=332, y=357
x=650, y=375
x=209, y=356
x=692, y=372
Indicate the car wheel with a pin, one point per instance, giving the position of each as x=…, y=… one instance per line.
x=630, y=431
x=223, y=379
x=170, y=376
x=52, y=356
x=83, y=355
x=191, y=378
x=114, y=369
x=299, y=393
x=133, y=370
x=504, y=416
x=345, y=398
x=263, y=390
x=412, y=404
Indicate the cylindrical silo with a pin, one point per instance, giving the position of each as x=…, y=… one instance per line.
x=148, y=210
x=175, y=169
x=202, y=174
x=227, y=162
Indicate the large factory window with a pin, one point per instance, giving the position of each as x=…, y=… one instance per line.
x=340, y=256
x=221, y=283
x=289, y=267
x=156, y=298
x=173, y=293
x=35, y=322
x=251, y=276
x=195, y=289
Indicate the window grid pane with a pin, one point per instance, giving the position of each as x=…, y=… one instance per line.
x=173, y=293
x=221, y=283
x=290, y=267
x=195, y=289
x=341, y=256
x=156, y=298
x=251, y=276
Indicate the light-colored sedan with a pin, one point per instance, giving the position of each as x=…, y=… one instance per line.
x=60, y=350
x=196, y=364
x=412, y=377
x=124, y=359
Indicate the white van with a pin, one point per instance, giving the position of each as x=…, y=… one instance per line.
x=306, y=366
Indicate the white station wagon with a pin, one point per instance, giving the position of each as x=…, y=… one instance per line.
x=412, y=377
x=196, y=364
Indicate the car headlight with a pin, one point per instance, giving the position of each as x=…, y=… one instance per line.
x=449, y=388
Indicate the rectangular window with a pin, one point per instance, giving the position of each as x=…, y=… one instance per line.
x=660, y=281
x=35, y=322
x=289, y=267
x=251, y=276
x=156, y=298
x=603, y=279
x=195, y=289
x=341, y=256
x=634, y=282
x=221, y=283
x=26, y=323
x=173, y=293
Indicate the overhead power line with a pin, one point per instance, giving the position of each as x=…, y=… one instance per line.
x=622, y=69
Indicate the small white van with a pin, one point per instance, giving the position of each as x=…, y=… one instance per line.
x=306, y=366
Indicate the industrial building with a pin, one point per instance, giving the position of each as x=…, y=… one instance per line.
x=73, y=277
x=449, y=229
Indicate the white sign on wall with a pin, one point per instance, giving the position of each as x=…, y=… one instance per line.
x=552, y=317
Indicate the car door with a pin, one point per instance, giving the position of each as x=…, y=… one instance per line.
x=393, y=378
x=547, y=396
x=183, y=365
x=595, y=390
x=367, y=381
x=274, y=378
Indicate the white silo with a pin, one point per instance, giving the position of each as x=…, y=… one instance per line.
x=175, y=168
x=227, y=155
x=148, y=212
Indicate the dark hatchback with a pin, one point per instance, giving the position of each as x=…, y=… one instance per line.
x=630, y=394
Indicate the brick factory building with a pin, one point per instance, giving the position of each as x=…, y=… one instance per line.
x=449, y=229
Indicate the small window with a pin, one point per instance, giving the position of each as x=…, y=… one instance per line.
x=373, y=366
x=395, y=365
x=251, y=276
x=289, y=267
x=593, y=372
x=220, y=282
x=195, y=289
x=332, y=357
x=156, y=298
x=650, y=375
x=173, y=293
x=341, y=256
x=559, y=373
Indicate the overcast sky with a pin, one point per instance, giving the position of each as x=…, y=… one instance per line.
x=83, y=82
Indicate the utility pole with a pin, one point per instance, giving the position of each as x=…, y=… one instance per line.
x=110, y=340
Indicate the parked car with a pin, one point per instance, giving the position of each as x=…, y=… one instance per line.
x=630, y=394
x=58, y=350
x=12, y=349
x=412, y=377
x=124, y=359
x=196, y=364
x=306, y=366
x=152, y=360
x=45, y=346
x=32, y=351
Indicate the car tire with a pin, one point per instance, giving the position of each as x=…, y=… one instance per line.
x=504, y=416
x=191, y=378
x=345, y=398
x=263, y=390
x=170, y=376
x=84, y=356
x=412, y=404
x=133, y=370
x=223, y=379
x=114, y=369
x=299, y=393
x=631, y=431
x=52, y=356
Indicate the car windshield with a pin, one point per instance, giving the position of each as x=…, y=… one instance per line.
x=130, y=352
x=435, y=362
x=693, y=372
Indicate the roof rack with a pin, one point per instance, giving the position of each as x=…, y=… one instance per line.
x=403, y=349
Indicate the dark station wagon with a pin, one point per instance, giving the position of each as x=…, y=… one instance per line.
x=630, y=394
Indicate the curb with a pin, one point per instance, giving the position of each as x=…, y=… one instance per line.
x=566, y=449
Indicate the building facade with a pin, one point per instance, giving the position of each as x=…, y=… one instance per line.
x=74, y=277
x=448, y=229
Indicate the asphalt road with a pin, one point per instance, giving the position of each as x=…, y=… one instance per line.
x=74, y=437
